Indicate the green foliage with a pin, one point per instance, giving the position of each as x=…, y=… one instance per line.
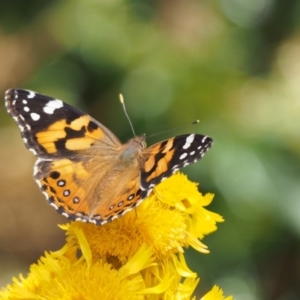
x=234, y=65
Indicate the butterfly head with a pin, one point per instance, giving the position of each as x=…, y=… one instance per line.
x=141, y=141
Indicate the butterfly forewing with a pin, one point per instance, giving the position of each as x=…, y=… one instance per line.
x=52, y=128
x=83, y=170
x=167, y=157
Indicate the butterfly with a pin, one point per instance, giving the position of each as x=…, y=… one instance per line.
x=83, y=169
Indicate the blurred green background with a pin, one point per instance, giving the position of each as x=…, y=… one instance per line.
x=234, y=64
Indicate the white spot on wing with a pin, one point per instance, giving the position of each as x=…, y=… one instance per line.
x=24, y=101
x=61, y=183
x=65, y=215
x=35, y=116
x=26, y=108
x=31, y=94
x=46, y=195
x=203, y=140
x=54, y=205
x=182, y=156
x=36, y=170
x=188, y=141
x=125, y=211
x=66, y=193
x=21, y=127
x=52, y=105
x=38, y=183
x=16, y=119
x=33, y=151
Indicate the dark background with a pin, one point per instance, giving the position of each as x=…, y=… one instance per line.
x=235, y=65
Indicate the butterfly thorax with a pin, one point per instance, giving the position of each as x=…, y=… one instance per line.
x=131, y=150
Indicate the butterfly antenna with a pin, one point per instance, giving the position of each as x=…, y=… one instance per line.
x=176, y=128
x=126, y=114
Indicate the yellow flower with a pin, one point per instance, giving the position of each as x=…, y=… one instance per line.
x=171, y=218
x=59, y=278
x=215, y=294
x=138, y=256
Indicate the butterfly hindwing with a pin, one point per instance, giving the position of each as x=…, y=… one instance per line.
x=167, y=157
x=128, y=199
x=62, y=181
x=68, y=187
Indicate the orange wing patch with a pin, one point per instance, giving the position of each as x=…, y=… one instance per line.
x=51, y=135
x=80, y=134
x=158, y=159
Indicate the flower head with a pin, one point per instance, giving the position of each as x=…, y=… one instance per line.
x=140, y=254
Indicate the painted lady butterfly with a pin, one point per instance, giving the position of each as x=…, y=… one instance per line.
x=83, y=169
